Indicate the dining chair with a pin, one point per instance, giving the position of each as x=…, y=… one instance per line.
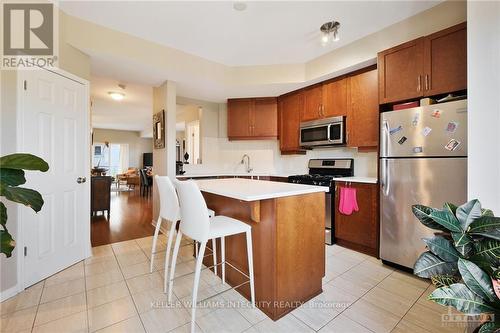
x=199, y=226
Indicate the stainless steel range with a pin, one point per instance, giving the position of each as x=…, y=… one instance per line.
x=322, y=172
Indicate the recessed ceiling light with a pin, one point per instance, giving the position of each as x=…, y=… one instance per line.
x=117, y=96
x=330, y=32
x=239, y=6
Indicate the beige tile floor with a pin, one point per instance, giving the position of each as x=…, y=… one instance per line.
x=113, y=291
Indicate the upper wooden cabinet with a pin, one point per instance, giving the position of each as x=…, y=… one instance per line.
x=252, y=118
x=325, y=100
x=363, y=110
x=445, y=61
x=427, y=66
x=290, y=107
x=334, y=98
x=400, y=72
x=313, y=101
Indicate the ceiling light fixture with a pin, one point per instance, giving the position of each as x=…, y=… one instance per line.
x=239, y=6
x=117, y=96
x=330, y=32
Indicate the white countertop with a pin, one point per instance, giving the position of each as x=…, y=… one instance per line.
x=368, y=180
x=231, y=174
x=253, y=190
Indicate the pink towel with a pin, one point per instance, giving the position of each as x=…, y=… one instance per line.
x=348, y=202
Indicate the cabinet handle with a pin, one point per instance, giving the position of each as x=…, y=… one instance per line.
x=419, y=83
x=427, y=87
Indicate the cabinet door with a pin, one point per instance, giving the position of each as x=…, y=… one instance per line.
x=335, y=98
x=401, y=72
x=363, y=114
x=359, y=231
x=290, y=109
x=238, y=118
x=312, y=103
x=265, y=118
x=445, y=61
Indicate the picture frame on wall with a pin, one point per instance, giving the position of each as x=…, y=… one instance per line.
x=159, y=130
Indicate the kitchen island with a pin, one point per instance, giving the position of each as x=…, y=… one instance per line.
x=288, y=231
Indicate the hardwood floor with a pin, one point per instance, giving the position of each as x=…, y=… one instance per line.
x=130, y=219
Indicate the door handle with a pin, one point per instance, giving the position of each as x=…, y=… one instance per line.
x=427, y=86
x=81, y=180
x=385, y=178
x=419, y=83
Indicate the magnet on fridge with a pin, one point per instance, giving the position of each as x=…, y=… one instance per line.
x=451, y=127
x=402, y=140
x=394, y=130
x=426, y=131
x=416, y=118
x=436, y=113
x=452, y=145
x=418, y=150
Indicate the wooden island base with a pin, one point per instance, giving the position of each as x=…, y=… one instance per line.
x=288, y=248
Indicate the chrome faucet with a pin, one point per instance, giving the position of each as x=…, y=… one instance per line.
x=247, y=165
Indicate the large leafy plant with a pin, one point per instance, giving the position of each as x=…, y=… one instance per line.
x=463, y=259
x=11, y=176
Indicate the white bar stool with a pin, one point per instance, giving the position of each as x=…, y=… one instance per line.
x=197, y=225
x=170, y=212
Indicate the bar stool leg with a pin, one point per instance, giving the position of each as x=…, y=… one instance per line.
x=196, y=282
x=171, y=233
x=250, y=266
x=223, y=258
x=196, y=249
x=174, y=262
x=214, y=254
x=155, y=238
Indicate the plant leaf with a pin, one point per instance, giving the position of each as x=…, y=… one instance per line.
x=486, y=212
x=443, y=248
x=422, y=213
x=21, y=161
x=468, y=212
x=447, y=220
x=428, y=265
x=12, y=177
x=486, y=226
x=489, y=327
x=487, y=250
x=450, y=207
x=25, y=196
x=463, y=243
x=444, y=280
x=476, y=279
x=7, y=244
x=3, y=215
x=461, y=298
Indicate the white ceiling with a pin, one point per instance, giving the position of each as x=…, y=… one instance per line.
x=133, y=113
x=279, y=32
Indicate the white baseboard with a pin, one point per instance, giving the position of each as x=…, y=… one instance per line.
x=6, y=294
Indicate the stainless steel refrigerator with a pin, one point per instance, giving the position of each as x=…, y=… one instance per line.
x=423, y=160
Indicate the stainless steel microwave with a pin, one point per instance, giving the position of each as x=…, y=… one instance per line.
x=323, y=132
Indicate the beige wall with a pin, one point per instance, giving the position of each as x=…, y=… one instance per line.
x=137, y=145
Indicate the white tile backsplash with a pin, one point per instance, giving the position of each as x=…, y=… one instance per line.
x=222, y=155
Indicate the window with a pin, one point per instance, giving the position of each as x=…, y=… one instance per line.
x=113, y=157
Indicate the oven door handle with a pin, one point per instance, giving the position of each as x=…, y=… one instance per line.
x=328, y=132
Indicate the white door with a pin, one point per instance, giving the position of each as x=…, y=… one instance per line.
x=54, y=125
x=193, y=141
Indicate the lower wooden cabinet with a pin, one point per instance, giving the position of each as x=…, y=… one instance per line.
x=360, y=230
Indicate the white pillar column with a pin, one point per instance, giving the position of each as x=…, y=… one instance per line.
x=164, y=98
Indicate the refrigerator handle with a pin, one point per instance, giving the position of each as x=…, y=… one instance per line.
x=384, y=138
x=385, y=177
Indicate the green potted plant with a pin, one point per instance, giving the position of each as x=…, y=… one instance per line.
x=463, y=259
x=11, y=176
